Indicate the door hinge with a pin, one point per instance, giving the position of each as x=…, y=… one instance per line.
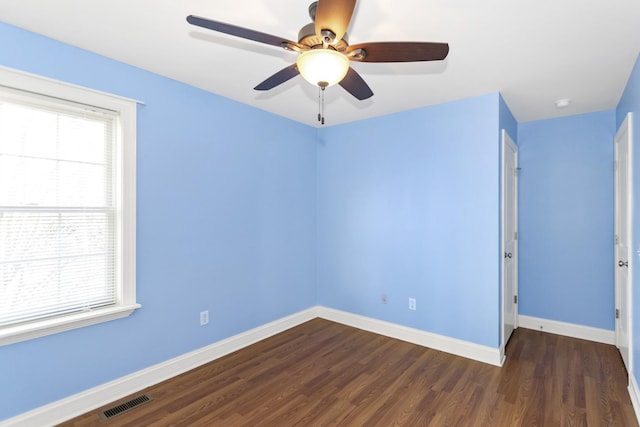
x=515, y=235
x=615, y=165
x=515, y=299
x=617, y=313
x=617, y=240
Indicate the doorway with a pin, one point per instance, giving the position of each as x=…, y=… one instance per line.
x=623, y=150
x=509, y=199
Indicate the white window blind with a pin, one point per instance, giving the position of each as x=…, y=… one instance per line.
x=67, y=206
x=57, y=209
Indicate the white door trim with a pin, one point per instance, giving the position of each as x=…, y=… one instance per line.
x=627, y=127
x=507, y=142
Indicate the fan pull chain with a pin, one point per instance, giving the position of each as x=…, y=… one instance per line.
x=322, y=86
x=322, y=103
x=319, y=104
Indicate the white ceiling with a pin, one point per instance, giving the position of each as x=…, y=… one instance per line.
x=532, y=51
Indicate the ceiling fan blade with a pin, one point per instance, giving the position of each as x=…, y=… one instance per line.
x=244, y=33
x=278, y=78
x=356, y=86
x=334, y=15
x=398, y=52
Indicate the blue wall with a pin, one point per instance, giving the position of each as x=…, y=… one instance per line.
x=566, y=219
x=630, y=103
x=408, y=205
x=226, y=222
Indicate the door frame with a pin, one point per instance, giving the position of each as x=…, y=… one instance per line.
x=625, y=126
x=506, y=141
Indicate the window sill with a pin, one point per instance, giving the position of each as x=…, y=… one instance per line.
x=27, y=331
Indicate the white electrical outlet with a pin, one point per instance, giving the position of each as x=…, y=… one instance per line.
x=412, y=303
x=204, y=317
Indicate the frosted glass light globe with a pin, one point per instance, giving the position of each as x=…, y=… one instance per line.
x=323, y=66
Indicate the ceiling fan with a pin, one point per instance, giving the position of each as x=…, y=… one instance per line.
x=324, y=51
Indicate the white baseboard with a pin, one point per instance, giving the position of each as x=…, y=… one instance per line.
x=568, y=329
x=454, y=346
x=78, y=404
x=96, y=397
x=634, y=394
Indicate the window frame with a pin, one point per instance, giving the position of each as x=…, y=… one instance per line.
x=125, y=189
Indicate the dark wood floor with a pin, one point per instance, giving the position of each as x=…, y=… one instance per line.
x=322, y=373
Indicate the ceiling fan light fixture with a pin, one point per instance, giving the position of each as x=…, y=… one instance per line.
x=323, y=65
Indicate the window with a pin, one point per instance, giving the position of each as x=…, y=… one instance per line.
x=67, y=206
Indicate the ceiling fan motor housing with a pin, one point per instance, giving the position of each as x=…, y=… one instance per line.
x=308, y=37
x=312, y=11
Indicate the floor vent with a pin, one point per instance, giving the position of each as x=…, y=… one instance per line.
x=124, y=407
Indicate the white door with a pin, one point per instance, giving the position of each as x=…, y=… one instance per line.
x=623, y=259
x=509, y=237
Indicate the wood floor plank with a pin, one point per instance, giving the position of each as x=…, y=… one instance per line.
x=322, y=373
